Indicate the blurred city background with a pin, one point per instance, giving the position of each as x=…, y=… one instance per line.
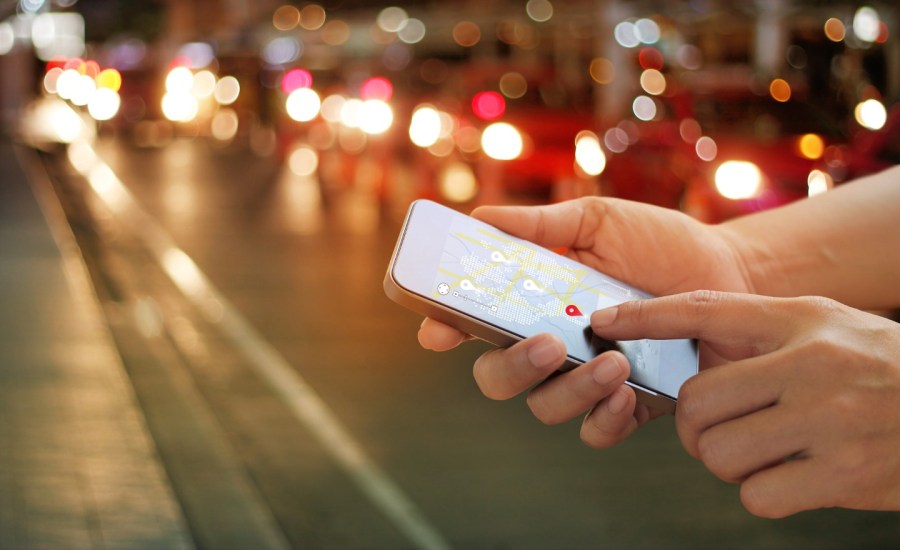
x=199, y=199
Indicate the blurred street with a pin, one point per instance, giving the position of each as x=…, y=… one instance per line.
x=246, y=470
x=197, y=212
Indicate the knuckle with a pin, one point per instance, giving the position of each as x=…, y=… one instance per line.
x=596, y=434
x=486, y=381
x=690, y=410
x=820, y=305
x=541, y=409
x=702, y=302
x=713, y=456
x=757, y=501
x=849, y=461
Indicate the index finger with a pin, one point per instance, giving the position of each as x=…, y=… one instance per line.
x=743, y=324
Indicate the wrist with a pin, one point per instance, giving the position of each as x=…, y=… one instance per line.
x=752, y=260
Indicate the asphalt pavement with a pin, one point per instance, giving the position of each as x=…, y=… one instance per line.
x=284, y=399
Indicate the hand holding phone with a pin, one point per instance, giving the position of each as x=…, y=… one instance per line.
x=482, y=281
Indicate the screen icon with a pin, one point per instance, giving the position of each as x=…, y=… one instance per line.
x=573, y=311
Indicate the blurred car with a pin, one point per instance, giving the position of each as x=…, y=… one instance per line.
x=721, y=155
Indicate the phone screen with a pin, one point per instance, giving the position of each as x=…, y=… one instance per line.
x=527, y=290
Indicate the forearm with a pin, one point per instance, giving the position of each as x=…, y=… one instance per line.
x=844, y=244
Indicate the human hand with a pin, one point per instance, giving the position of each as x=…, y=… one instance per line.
x=804, y=417
x=658, y=250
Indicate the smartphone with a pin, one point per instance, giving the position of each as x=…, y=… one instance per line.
x=502, y=289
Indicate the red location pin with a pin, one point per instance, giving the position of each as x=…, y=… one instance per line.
x=573, y=311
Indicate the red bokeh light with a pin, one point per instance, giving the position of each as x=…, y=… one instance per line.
x=488, y=105
x=651, y=58
x=75, y=63
x=91, y=68
x=296, y=79
x=180, y=61
x=56, y=62
x=377, y=88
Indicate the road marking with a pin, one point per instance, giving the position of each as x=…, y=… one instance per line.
x=297, y=394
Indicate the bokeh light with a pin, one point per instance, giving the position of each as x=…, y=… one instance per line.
x=282, y=50
x=647, y=31
x=377, y=87
x=312, y=17
x=180, y=107
x=286, y=18
x=651, y=58
x=67, y=82
x=228, y=89
x=425, y=126
x=104, y=104
x=653, y=82
x=392, y=19
x=737, y=179
x=458, y=183
x=819, y=182
x=303, y=104
x=626, y=34
x=83, y=90
x=412, y=32
x=296, y=79
x=780, y=90
x=109, y=78
x=513, y=85
x=376, y=117
x=706, y=148
x=644, y=108
x=332, y=106
x=588, y=153
x=502, y=141
x=204, y=84
x=615, y=140
x=336, y=32
x=7, y=38
x=835, y=29
x=304, y=161
x=350, y=112
x=488, y=105
x=51, y=79
x=866, y=24
x=811, y=146
x=224, y=124
x=466, y=34
x=689, y=130
x=179, y=80
x=602, y=70
x=196, y=55
x=539, y=11
x=871, y=114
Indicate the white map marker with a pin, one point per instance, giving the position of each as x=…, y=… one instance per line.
x=531, y=285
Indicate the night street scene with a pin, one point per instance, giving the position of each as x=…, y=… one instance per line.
x=199, y=203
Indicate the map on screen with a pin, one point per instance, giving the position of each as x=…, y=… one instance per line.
x=528, y=290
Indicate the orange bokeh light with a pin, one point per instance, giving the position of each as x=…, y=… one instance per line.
x=835, y=29
x=780, y=90
x=811, y=146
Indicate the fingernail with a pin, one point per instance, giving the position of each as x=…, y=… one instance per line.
x=607, y=371
x=544, y=353
x=604, y=317
x=617, y=402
